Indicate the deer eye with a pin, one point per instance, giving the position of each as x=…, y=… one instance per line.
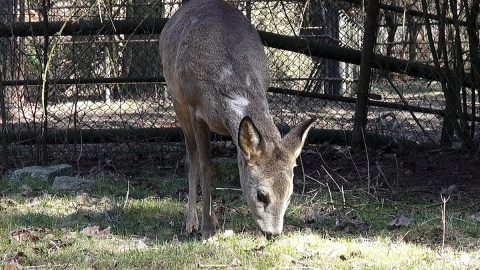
x=263, y=197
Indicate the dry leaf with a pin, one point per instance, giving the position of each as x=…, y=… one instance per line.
x=234, y=264
x=92, y=230
x=259, y=248
x=286, y=258
x=19, y=258
x=351, y=225
x=401, y=221
x=476, y=216
x=450, y=190
x=69, y=235
x=9, y=202
x=26, y=190
x=126, y=246
x=104, y=232
x=161, y=217
x=95, y=230
x=24, y=235
x=88, y=258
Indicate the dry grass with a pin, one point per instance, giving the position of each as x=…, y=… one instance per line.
x=96, y=229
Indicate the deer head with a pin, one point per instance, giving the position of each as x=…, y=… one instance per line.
x=266, y=172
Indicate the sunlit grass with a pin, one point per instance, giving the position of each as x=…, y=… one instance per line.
x=144, y=230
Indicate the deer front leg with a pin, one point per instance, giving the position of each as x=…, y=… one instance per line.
x=191, y=224
x=192, y=164
x=202, y=138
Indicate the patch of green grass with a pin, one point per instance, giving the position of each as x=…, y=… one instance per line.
x=141, y=226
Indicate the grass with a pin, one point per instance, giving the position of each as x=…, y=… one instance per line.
x=140, y=226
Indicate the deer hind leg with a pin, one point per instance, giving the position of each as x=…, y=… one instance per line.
x=193, y=171
x=202, y=138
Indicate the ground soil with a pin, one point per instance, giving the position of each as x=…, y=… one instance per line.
x=396, y=171
x=385, y=171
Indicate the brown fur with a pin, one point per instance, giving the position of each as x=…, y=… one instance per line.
x=217, y=74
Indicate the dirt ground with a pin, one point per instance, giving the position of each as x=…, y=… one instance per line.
x=392, y=171
x=386, y=171
x=395, y=171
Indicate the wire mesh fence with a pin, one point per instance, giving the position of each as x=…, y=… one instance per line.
x=82, y=80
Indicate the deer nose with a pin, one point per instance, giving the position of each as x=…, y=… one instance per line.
x=269, y=235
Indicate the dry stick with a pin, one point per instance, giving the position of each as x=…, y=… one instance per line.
x=303, y=266
x=410, y=109
x=212, y=265
x=368, y=161
x=339, y=188
x=443, y=209
x=232, y=189
x=330, y=193
x=385, y=178
x=396, y=180
x=323, y=160
x=126, y=196
x=354, y=164
x=80, y=154
x=309, y=177
x=303, y=173
x=44, y=266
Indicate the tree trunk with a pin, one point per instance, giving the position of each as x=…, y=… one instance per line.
x=361, y=107
x=474, y=56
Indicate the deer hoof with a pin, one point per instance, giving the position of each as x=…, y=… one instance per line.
x=191, y=226
x=208, y=226
x=208, y=233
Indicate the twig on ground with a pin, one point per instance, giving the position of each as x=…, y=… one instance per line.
x=232, y=189
x=126, y=196
x=345, y=180
x=398, y=175
x=80, y=154
x=299, y=267
x=303, y=174
x=385, y=178
x=212, y=265
x=354, y=164
x=443, y=210
x=44, y=266
x=339, y=188
x=368, y=161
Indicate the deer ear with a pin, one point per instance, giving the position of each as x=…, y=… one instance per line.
x=295, y=139
x=249, y=138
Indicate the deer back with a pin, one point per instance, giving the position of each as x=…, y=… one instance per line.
x=213, y=55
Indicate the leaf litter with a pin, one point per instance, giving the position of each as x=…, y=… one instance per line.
x=401, y=221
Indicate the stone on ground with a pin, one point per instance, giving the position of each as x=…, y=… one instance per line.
x=41, y=173
x=70, y=183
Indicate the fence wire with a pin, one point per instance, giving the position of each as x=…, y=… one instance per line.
x=94, y=92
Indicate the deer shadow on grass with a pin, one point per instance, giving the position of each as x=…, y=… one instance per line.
x=152, y=208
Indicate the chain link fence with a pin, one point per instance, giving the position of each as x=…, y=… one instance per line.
x=81, y=79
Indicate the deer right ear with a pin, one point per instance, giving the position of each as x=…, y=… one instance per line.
x=249, y=138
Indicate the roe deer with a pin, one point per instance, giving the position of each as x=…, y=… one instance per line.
x=217, y=75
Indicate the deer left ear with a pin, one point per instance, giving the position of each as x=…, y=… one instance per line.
x=249, y=139
x=295, y=139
